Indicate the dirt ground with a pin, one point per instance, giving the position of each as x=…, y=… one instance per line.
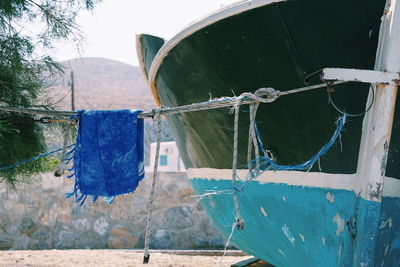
x=112, y=258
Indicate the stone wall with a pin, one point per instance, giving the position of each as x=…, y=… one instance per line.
x=37, y=216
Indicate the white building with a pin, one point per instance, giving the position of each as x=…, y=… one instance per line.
x=169, y=160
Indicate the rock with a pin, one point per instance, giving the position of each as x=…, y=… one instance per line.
x=200, y=242
x=120, y=237
x=161, y=239
x=48, y=218
x=64, y=215
x=38, y=244
x=90, y=240
x=180, y=217
x=39, y=217
x=81, y=225
x=21, y=242
x=216, y=242
x=65, y=239
x=101, y=226
x=186, y=195
x=27, y=226
x=41, y=234
x=5, y=241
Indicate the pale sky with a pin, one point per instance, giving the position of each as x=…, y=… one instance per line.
x=110, y=30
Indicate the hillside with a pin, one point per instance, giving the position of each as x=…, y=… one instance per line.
x=106, y=84
x=103, y=84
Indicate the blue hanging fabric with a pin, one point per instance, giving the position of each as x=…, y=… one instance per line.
x=109, y=154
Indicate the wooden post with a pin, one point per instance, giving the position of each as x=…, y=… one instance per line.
x=375, y=139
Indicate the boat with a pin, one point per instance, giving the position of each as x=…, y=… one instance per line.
x=344, y=211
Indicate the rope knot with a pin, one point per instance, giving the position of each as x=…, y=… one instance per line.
x=240, y=224
x=156, y=113
x=263, y=95
x=237, y=189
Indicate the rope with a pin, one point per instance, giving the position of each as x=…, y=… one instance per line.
x=253, y=112
x=157, y=119
x=265, y=95
x=32, y=159
x=269, y=164
x=239, y=220
x=227, y=244
x=61, y=167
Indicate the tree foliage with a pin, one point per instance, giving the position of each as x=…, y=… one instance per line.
x=27, y=70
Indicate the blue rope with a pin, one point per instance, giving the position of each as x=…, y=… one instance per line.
x=33, y=158
x=269, y=164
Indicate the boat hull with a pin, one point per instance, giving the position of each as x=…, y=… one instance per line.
x=314, y=218
x=293, y=225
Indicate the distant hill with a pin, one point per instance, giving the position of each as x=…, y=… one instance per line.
x=103, y=84
x=106, y=84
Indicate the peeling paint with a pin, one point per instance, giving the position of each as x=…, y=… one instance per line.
x=330, y=197
x=288, y=234
x=284, y=198
x=386, y=249
x=323, y=241
x=302, y=238
x=340, y=223
x=375, y=191
x=388, y=222
x=282, y=253
x=384, y=158
x=263, y=212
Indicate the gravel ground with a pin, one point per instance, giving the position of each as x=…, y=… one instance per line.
x=112, y=258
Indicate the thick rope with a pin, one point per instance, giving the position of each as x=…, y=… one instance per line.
x=146, y=258
x=253, y=112
x=266, y=95
x=61, y=167
x=239, y=220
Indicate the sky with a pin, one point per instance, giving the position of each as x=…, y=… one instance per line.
x=110, y=29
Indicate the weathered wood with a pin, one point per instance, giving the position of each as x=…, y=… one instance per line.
x=356, y=75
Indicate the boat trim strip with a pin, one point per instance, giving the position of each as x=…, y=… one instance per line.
x=224, y=13
x=297, y=178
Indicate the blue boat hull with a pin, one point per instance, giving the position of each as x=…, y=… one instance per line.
x=310, y=218
x=292, y=225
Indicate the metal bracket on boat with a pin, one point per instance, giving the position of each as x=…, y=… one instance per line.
x=357, y=75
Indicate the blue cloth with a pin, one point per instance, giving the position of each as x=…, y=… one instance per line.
x=109, y=153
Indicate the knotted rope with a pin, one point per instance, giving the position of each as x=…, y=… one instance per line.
x=239, y=220
x=61, y=167
x=157, y=119
x=271, y=96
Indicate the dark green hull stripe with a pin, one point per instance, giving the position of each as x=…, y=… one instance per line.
x=272, y=46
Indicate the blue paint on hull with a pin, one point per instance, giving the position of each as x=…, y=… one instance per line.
x=303, y=226
x=387, y=247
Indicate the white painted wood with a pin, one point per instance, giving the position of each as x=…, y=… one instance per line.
x=297, y=178
x=356, y=75
x=141, y=56
x=170, y=151
x=224, y=13
x=377, y=124
x=294, y=178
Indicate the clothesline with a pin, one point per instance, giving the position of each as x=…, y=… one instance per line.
x=268, y=95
